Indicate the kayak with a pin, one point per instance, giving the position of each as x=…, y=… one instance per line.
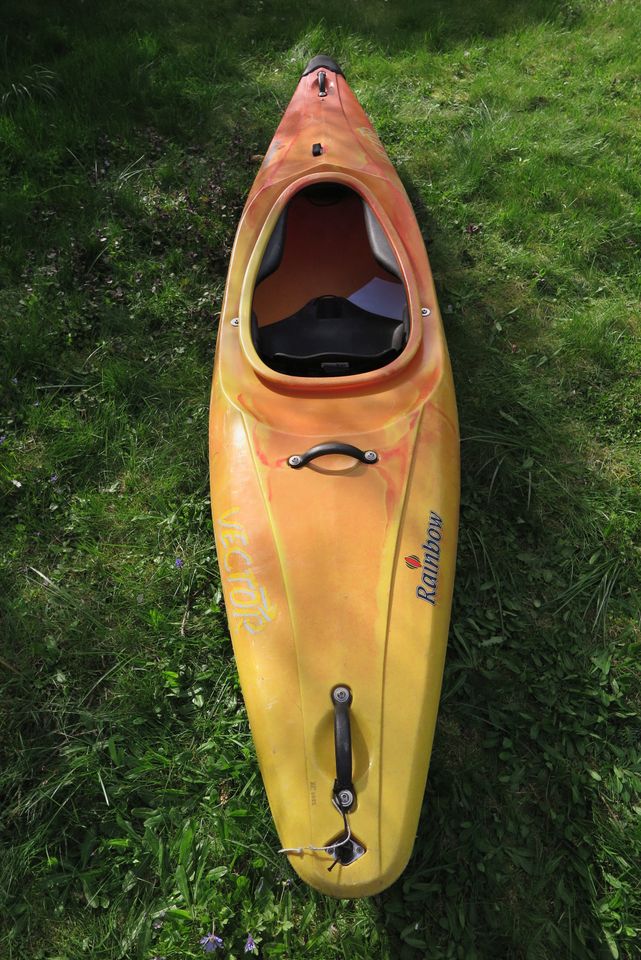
x=334, y=456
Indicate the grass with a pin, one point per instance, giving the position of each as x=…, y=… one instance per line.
x=133, y=813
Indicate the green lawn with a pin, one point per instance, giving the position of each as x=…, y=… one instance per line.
x=133, y=815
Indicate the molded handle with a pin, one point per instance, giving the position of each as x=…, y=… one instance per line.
x=299, y=460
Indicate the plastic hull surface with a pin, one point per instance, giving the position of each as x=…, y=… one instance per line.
x=340, y=572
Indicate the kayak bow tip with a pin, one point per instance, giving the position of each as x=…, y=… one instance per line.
x=322, y=60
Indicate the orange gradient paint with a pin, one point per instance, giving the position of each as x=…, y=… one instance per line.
x=313, y=561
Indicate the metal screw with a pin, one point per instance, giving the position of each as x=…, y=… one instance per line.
x=425, y=312
x=295, y=461
x=371, y=456
x=346, y=798
x=235, y=322
x=341, y=694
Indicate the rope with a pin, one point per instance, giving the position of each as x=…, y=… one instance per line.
x=330, y=848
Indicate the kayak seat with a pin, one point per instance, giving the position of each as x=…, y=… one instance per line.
x=330, y=336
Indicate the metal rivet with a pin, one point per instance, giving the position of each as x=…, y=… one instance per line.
x=425, y=312
x=295, y=461
x=235, y=322
x=346, y=798
x=341, y=694
x=371, y=456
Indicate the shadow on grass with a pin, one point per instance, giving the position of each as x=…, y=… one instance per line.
x=52, y=29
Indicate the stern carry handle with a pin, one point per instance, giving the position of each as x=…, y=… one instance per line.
x=344, y=794
x=334, y=446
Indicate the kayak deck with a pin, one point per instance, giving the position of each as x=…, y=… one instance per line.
x=334, y=467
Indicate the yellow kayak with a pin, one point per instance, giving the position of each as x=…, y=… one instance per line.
x=334, y=456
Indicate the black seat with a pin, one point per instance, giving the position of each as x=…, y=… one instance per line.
x=330, y=336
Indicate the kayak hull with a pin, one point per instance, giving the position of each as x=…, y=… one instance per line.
x=340, y=572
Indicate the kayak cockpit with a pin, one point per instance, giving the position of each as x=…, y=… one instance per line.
x=329, y=299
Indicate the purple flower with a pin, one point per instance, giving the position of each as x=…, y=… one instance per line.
x=53, y=478
x=250, y=945
x=179, y=562
x=14, y=379
x=211, y=942
x=3, y=438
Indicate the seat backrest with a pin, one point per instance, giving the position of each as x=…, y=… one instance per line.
x=379, y=243
x=274, y=250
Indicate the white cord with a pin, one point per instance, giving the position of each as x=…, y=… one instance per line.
x=328, y=849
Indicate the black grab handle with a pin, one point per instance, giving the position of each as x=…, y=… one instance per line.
x=299, y=460
x=344, y=794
